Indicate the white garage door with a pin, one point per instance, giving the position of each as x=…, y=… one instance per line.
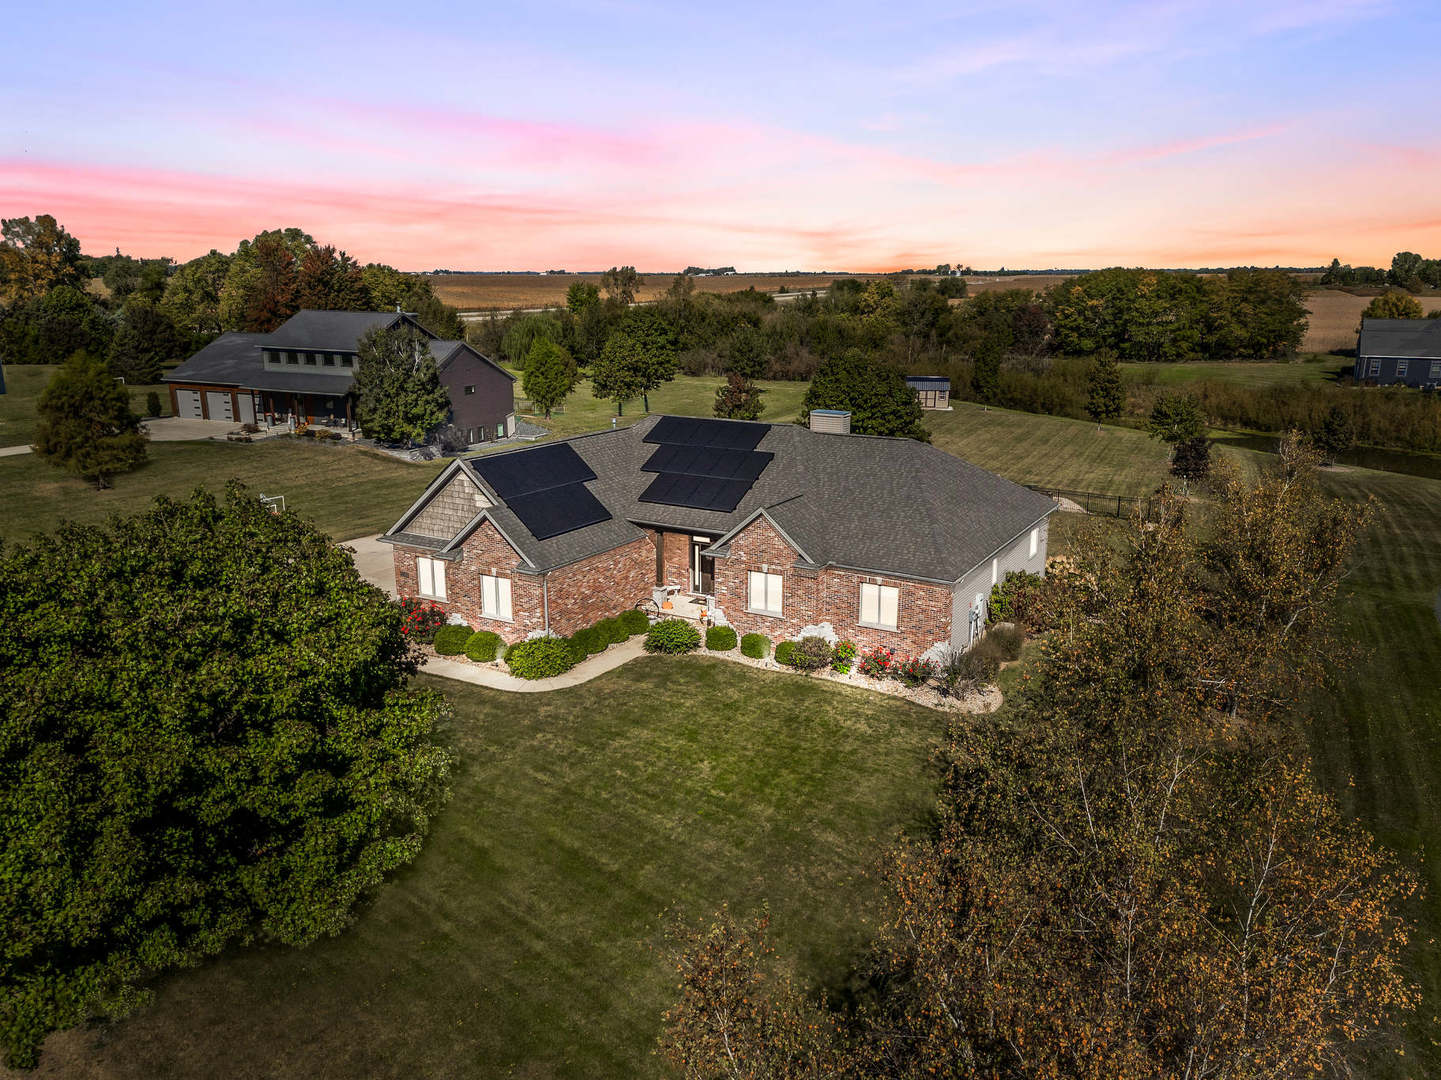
x=187, y=403
x=247, y=408
x=217, y=403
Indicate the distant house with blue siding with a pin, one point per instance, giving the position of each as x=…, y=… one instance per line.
x=1399, y=352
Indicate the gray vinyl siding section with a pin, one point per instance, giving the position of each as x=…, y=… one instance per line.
x=1016, y=556
x=1417, y=370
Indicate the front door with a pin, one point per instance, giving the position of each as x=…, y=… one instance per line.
x=702, y=567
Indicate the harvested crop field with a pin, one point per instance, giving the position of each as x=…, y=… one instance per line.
x=1336, y=316
x=504, y=292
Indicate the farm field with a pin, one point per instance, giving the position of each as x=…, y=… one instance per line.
x=346, y=491
x=503, y=292
x=24, y=384
x=527, y=940
x=1336, y=316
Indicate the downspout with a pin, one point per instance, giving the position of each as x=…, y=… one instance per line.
x=545, y=599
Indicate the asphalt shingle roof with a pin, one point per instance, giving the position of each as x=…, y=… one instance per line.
x=338, y=330
x=1420, y=338
x=885, y=505
x=230, y=360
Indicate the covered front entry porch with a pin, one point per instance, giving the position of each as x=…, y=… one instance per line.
x=684, y=577
x=303, y=410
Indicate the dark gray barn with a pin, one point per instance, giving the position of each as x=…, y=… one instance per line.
x=1399, y=352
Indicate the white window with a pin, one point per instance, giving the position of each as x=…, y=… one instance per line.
x=880, y=605
x=1400, y=369
x=1373, y=368
x=432, y=577
x=995, y=570
x=495, y=597
x=1435, y=370
x=1035, y=542
x=765, y=593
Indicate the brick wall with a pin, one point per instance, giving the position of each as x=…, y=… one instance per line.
x=580, y=594
x=810, y=597
x=675, y=551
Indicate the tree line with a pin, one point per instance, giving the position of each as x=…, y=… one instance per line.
x=157, y=313
x=1408, y=271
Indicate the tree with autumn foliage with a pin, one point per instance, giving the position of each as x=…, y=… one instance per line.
x=1134, y=874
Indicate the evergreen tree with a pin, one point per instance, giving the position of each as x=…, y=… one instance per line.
x=401, y=398
x=1336, y=435
x=144, y=342
x=550, y=375
x=738, y=399
x=1176, y=418
x=86, y=425
x=986, y=374
x=1105, y=396
x=1191, y=459
x=208, y=741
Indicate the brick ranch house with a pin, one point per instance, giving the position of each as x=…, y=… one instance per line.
x=772, y=528
x=304, y=373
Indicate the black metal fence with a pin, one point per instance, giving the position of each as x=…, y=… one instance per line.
x=1098, y=502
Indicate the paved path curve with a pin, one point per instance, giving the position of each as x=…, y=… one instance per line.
x=496, y=679
x=13, y=451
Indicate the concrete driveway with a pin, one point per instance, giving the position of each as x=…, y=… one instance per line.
x=373, y=560
x=184, y=429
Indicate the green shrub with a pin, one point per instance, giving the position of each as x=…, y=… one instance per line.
x=720, y=639
x=450, y=640
x=540, y=658
x=482, y=646
x=811, y=653
x=152, y=404
x=844, y=656
x=633, y=622
x=589, y=641
x=756, y=646
x=611, y=631
x=914, y=671
x=784, y=651
x=1008, y=640
x=1013, y=596
x=672, y=636
x=961, y=670
x=420, y=619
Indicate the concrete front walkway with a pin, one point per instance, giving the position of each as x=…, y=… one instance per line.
x=497, y=679
x=375, y=561
x=13, y=451
x=184, y=429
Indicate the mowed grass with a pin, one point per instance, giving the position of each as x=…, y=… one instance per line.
x=1314, y=370
x=685, y=395
x=1051, y=450
x=24, y=383
x=346, y=491
x=527, y=940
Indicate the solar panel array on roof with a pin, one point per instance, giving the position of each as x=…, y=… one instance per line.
x=704, y=464
x=544, y=488
x=696, y=431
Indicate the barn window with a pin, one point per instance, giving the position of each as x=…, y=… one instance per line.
x=880, y=606
x=470, y=389
x=1400, y=369
x=1435, y=370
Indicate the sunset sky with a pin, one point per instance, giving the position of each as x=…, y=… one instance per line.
x=770, y=137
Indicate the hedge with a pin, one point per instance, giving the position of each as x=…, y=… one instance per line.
x=672, y=636
x=589, y=641
x=450, y=640
x=756, y=646
x=540, y=658
x=783, y=652
x=634, y=621
x=482, y=646
x=720, y=639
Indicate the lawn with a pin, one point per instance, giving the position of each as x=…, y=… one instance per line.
x=23, y=386
x=1313, y=370
x=1051, y=450
x=527, y=939
x=347, y=491
x=685, y=395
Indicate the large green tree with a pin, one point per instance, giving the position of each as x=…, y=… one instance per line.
x=401, y=397
x=620, y=283
x=35, y=256
x=192, y=293
x=1393, y=304
x=616, y=374
x=48, y=328
x=145, y=340
x=206, y=739
x=86, y=425
x=877, y=397
x=550, y=375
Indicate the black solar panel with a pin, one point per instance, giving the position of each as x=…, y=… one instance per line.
x=537, y=469
x=694, y=431
x=545, y=488
x=697, y=492
x=558, y=510
x=708, y=461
